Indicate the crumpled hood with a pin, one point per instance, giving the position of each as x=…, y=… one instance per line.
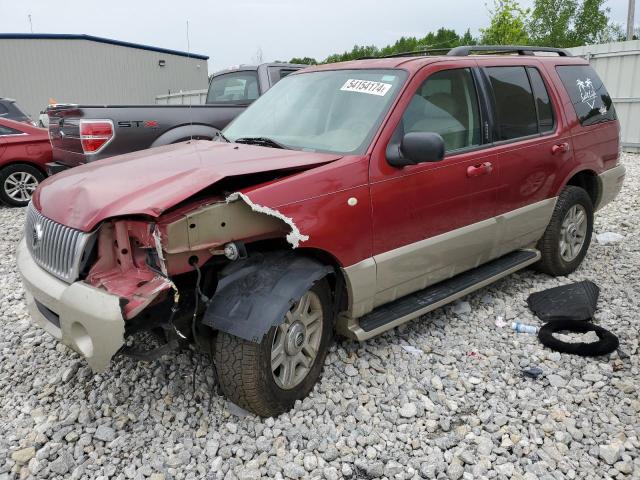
x=151, y=181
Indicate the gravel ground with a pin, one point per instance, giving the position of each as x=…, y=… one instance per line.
x=457, y=407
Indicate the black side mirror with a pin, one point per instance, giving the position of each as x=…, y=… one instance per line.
x=416, y=147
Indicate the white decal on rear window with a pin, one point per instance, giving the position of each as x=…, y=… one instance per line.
x=366, y=86
x=587, y=92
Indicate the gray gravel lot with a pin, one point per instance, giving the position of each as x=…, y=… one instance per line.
x=458, y=407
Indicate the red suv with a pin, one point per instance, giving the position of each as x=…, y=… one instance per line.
x=350, y=198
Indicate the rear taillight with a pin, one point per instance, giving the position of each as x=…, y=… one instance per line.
x=95, y=134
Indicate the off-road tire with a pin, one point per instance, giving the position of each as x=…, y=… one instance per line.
x=244, y=367
x=552, y=262
x=10, y=170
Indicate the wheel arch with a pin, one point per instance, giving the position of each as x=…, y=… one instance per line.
x=253, y=294
x=183, y=132
x=588, y=181
x=337, y=279
x=35, y=165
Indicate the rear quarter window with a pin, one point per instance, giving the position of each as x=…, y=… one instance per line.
x=591, y=101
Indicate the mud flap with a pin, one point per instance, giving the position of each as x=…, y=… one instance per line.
x=255, y=293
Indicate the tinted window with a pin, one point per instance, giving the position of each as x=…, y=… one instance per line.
x=3, y=109
x=9, y=131
x=447, y=104
x=543, y=103
x=588, y=94
x=238, y=87
x=515, y=108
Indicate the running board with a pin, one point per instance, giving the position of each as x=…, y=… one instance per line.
x=395, y=313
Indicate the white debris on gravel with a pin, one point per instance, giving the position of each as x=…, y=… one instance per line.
x=462, y=409
x=609, y=238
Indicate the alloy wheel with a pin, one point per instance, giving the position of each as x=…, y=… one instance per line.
x=19, y=186
x=573, y=233
x=296, y=342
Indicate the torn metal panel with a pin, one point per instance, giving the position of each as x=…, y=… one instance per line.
x=121, y=268
x=157, y=241
x=294, y=237
x=213, y=225
x=257, y=292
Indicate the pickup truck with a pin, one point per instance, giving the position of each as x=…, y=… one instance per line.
x=82, y=133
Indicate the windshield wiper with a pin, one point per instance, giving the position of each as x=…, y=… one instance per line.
x=262, y=142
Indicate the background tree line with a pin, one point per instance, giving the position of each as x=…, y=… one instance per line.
x=551, y=23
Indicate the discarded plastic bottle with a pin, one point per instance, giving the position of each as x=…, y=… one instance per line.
x=524, y=328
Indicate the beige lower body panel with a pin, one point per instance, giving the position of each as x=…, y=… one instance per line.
x=90, y=320
x=394, y=274
x=610, y=184
x=353, y=330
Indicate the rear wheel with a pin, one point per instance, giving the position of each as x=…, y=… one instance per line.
x=567, y=238
x=17, y=184
x=268, y=377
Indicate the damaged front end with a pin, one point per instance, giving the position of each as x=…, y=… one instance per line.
x=155, y=276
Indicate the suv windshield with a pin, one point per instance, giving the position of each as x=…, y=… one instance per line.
x=332, y=111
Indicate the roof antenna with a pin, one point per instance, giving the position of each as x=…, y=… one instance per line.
x=30, y=23
x=190, y=96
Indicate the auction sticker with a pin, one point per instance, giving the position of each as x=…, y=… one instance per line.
x=366, y=86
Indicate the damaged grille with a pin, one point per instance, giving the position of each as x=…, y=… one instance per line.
x=58, y=249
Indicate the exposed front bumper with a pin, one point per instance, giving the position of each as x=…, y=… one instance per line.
x=610, y=183
x=84, y=318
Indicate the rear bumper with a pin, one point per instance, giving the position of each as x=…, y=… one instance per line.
x=84, y=318
x=610, y=183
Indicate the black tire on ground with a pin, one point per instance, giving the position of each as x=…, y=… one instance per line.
x=606, y=344
x=15, y=171
x=552, y=262
x=244, y=368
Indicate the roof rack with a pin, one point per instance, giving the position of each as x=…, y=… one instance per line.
x=465, y=51
x=413, y=53
x=519, y=49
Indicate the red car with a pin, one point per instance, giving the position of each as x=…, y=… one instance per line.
x=348, y=199
x=24, y=152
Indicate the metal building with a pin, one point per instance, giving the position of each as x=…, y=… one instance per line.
x=618, y=64
x=83, y=69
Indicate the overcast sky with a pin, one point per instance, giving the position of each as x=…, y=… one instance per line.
x=231, y=32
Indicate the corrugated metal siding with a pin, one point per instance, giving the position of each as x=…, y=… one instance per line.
x=618, y=64
x=79, y=71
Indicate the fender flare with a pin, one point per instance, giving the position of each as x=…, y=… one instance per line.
x=185, y=131
x=256, y=293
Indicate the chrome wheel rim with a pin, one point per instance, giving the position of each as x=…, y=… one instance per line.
x=573, y=233
x=19, y=186
x=296, y=342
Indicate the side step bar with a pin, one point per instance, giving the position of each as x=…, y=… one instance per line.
x=407, y=308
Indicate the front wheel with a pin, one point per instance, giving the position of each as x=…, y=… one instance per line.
x=17, y=184
x=268, y=377
x=567, y=238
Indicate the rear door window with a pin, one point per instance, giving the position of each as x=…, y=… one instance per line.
x=590, y=98
x=237, y=87
x=514, y=102
x=543, y=102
